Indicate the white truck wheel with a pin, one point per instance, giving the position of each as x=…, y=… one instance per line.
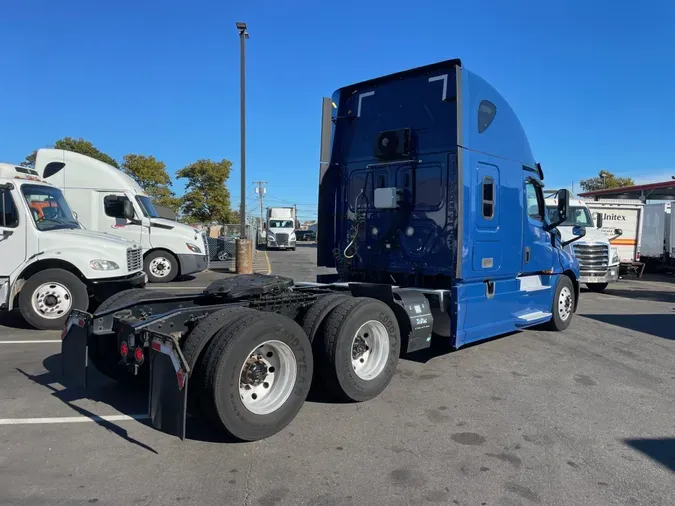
x=160, y=266
x=48, y=297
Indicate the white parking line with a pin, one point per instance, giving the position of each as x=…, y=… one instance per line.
x=175, y=287
x=71, y=419
x=34, y=341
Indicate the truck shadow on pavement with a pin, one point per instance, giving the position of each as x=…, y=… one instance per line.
x=14, y=320
x=662, y=450
x=652, y=295
x=659, y=325
x=123, y=399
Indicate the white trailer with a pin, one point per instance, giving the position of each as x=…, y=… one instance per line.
x=98, y=193
x=621, y=221
x=281, y=228
x=658, y=234
x=50, y=264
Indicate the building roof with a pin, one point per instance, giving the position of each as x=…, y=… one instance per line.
x=652, y=191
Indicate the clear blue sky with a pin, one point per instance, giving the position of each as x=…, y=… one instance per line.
x=592, y=81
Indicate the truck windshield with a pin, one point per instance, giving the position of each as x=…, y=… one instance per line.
x=48, y=207
x=281, y=224
x=578, y=217
x=146, y=205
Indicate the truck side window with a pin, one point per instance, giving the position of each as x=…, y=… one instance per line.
x=114, y=206
x=10, y=216
x=486, y=114
x=534, y=202
x=488, y=198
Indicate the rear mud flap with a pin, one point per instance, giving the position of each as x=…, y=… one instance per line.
x=74, y=359
x=169, y=374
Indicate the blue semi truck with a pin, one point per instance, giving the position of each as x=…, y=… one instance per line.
x=431, y=210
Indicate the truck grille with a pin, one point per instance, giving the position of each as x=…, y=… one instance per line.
x=134, y=259
x=282, y=239
x=593, y=258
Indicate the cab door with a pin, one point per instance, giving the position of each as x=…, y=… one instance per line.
x=12, y=235
x=538, y=254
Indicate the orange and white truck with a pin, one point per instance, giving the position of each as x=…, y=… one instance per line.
x=626, y=216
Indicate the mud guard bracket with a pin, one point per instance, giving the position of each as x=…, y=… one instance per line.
x=169, y=373
x=74, y=344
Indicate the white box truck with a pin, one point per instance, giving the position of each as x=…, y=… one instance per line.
x=621, y=221
x=658, y=235
x=598, y=259
x=281, y=228
x=98, y=193
x=50, y=264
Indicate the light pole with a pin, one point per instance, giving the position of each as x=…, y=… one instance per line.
x=243, y=35
x=244, y=253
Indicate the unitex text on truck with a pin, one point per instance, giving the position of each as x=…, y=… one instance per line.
x=50, y=264
x=430, y=207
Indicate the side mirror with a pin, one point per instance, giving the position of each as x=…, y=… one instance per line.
x=578, y=232
x=618, y=231
x=598, y=219
x=563, y=209
x=75, y=215
x=128, y=210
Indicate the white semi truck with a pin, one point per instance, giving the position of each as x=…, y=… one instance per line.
x=50, y=264
x=621, y=222
x=281, y=228
x=99, y=192
x=598, y=260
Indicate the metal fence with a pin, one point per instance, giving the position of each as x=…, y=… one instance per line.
x=222, y=248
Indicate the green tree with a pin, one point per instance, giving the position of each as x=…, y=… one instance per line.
x=81, y=146
x=206, y=198
x=151, y=175
x=605, y=179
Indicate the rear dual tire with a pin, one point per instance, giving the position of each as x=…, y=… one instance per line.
x=256, y=375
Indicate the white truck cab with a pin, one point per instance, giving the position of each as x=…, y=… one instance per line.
x=98, y=193
x=50, y=264
x=281, y=228
x=598, y=260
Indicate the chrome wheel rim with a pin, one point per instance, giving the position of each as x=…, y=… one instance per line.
x=160, y=267
x=565, y=303
x=267, y=377
x=370, y=350
x=52, y=300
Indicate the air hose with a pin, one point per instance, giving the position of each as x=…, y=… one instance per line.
x=360, y=218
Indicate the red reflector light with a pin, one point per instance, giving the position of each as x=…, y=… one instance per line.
x=138, y=354
x=124, y=349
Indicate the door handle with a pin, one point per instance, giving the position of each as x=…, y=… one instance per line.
x=7, y=233
x=527, y=254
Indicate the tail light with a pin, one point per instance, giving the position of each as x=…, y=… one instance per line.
x=124, y=349
x=138, y=355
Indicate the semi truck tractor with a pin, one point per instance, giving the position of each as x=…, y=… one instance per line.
x=98, y=194
x=281, y=228
x=598, y=260
x=50, y=264
x=431, y=210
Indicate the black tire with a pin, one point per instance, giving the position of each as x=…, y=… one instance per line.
x=102, y=349
x=557, y=321
x=75, y=296
x=340, y=328
x=172, y=265
x=315, y=316
x=292, y=249
x=597, y=287
x=226, y=355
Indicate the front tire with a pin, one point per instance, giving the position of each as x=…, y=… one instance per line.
x=257, y=376
x=563, y=304
x=597, y=287
x=160, y=266
x=48, y=297
x=360, y=349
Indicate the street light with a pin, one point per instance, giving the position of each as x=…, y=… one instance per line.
x=243, y=35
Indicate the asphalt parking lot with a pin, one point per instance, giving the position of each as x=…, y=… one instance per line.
x=580, y=417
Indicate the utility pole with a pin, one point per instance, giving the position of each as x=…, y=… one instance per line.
x=243, y=250
x=260, y=190
x=243, y=35
x=295, y=216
